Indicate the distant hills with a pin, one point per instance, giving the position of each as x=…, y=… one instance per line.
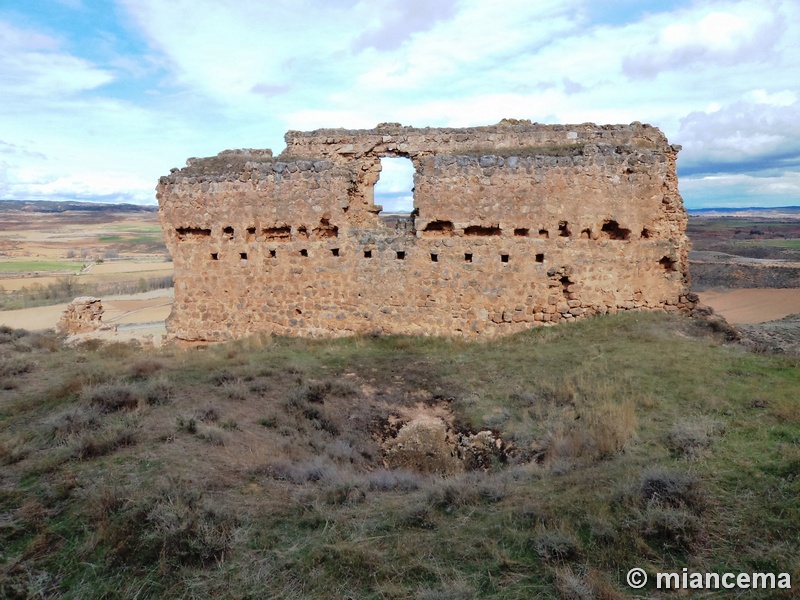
x=60, y=206
x=778, y=212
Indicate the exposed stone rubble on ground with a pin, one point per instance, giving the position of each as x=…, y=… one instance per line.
x=427, y=444
x=516, y=225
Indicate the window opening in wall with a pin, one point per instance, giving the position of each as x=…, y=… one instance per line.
x=646, y=234
x=302, y=232
x=504, y=258
x=544, y=234
x=243, y=255
x=481, y=230
x=394, y=190
x=367, y=253
x=468, y=257
x=444, y=228
x=228, y=231
x=303, y=252
x=185, y=233
x=251, y=234
x=214, y=256
x=565, y=283
x=540, y=258
x=326, y=230
x=667, y=264
x=613, y=231
x=272, y=253
x=279, y=233
x=434, y=257
x=563, y=229
x=586, y=234
x=335, y=251
x=521, y=232
x=401, y=255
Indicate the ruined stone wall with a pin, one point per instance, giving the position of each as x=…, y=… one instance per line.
x=516, y=225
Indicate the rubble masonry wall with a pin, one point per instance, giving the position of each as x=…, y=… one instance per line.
x=515, y=225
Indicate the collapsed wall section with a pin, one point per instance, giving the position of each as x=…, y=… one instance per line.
x=515, y=225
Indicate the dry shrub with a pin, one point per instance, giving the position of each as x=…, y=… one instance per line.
x=173, y=526
x=572, y=586
x=92, y=444
x=666, y=508
x=672, y=529
x=470, y=489
x=555, y=545
x=13, y=366
x=112, y=397
x=158, y=392
x=691, y=439
x=385, y=480
x=145, y=368
x=674, y=490
x=584, y=584
x=599, y=433
x=74, y=421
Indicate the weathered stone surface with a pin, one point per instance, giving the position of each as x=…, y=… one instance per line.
x=424, y=445
x=516, y=225
x=82, y=315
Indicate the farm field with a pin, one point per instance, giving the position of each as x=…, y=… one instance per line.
x=53, y=252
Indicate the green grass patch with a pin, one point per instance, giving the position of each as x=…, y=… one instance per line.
x=28, y=266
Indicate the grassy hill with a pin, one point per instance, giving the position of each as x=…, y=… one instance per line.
x=256, y=469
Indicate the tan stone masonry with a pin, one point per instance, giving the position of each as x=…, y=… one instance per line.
x=515, y=225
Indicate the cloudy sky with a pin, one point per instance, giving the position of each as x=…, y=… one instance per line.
x=100, y=98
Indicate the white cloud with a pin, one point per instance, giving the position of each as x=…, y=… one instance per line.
x=33, y=67
x=726, y=35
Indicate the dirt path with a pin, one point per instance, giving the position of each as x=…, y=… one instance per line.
x=753, y=305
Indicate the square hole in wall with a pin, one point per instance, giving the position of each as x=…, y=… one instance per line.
x=335, y=251
x=214, y=256
x=401, y=255
x=544, y=234
x=303, y=252
x=367, y=253
x=521, y=232
x=540, y=258
x=504, y=258
x=228, y=232
x=434, y=257
x=272, y=253
x=243, y=255
x=468, y=257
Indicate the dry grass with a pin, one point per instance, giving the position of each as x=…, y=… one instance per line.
x=256, y=469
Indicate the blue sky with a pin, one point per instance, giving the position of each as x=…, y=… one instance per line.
x=100, y=98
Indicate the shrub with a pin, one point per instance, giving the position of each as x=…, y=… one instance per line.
x=555, y=545
x=91, y=444
x=112, y=397
x=672, y=529
x=690, y=439
x=158, y=393
x=144, y=368
x=673, y=490
x=175, y=526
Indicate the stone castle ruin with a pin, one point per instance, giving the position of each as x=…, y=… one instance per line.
x=514, y=225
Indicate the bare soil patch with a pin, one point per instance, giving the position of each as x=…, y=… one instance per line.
x=759, y=305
